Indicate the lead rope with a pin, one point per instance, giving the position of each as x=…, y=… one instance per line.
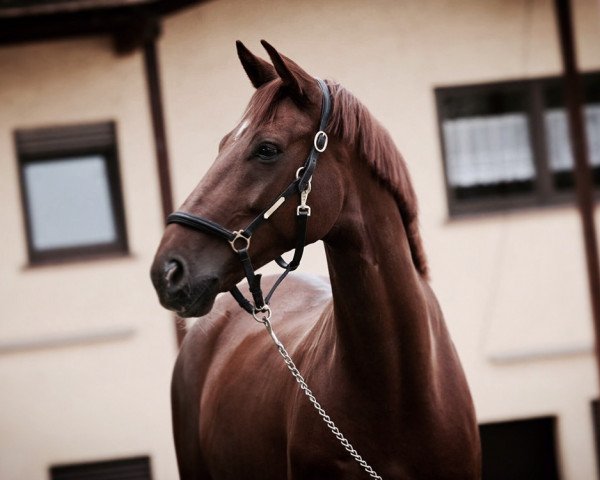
x=265, y=320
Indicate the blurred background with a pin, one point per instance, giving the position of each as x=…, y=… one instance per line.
x=110, y=113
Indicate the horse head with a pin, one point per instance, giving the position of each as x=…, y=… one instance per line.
x=255, y=162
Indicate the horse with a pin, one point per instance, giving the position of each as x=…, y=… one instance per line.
x=370, y=342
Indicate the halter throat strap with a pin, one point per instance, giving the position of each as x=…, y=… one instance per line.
x=240, y=239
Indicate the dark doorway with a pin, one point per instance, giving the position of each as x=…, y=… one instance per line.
x=520, y=449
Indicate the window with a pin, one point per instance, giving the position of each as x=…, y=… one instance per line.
x=519, y=450
x=71, y=192
x=506, y=145
x=137, y=468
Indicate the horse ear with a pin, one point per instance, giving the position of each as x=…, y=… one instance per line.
x=259, y=71
x=293, y=76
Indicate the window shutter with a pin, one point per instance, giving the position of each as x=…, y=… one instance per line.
x=46, y=141
x=137, y=468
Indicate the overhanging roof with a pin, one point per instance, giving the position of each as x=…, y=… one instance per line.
x=130, y=22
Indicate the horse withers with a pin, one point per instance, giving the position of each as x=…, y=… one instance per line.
x=371, y=343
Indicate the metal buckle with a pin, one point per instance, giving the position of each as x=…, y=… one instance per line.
x=239, y=235
x=321, y=135
x=266, y=310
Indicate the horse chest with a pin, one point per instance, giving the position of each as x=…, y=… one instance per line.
x=251, y=411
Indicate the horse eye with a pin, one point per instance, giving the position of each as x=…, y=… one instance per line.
x=267, y=151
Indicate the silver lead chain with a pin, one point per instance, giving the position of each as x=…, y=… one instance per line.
x=304, y=387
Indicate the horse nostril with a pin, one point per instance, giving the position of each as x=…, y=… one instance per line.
x=174, y=272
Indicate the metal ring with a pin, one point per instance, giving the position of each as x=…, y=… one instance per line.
x=321, y=135
x=264, y=309
x=239, y=235
x=298, y=175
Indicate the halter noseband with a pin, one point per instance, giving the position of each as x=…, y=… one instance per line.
x=240, y=239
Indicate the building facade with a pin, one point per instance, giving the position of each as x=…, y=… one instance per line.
x=86, y=350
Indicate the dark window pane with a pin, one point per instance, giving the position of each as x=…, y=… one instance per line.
x=496, y=190
x=484, y=101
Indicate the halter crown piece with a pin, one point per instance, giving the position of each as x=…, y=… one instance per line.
x=240, y=239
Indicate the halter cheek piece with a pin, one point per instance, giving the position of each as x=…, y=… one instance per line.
x=240, y=239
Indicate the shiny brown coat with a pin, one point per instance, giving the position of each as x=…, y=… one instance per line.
x=371, y=342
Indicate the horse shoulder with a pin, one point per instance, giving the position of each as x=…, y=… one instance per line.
x=188, y=379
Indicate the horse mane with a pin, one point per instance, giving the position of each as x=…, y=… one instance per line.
x=353, y=124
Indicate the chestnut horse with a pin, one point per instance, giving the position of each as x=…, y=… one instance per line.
x=372, y=344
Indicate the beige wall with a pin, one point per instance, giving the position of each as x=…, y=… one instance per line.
x=93, y=399
x=512, y=285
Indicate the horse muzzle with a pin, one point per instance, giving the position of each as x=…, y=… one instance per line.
x=185, y=294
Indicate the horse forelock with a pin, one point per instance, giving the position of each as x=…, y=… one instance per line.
x=352, y=123
x=263, y=104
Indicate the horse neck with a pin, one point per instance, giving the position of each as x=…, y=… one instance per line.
x=379, y=298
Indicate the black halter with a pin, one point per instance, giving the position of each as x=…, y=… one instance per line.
x=240, y=239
